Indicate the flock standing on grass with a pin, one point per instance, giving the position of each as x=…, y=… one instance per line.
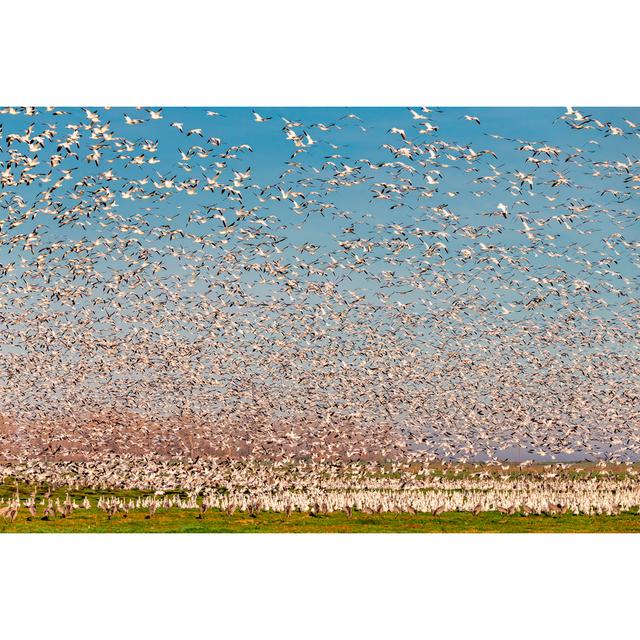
x=252, y=487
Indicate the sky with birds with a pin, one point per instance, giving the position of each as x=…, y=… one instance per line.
x=447, y=282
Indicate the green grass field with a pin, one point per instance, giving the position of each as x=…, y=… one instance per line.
x=186, y=521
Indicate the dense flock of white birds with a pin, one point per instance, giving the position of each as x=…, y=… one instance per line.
x=253, y=487
x=187, y=293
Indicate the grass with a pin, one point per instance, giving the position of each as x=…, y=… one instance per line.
x=185, y=521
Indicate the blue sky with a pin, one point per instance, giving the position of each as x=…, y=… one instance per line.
x=271, y=150
x=356, y=139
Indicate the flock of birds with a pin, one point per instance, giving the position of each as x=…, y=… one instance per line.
x=234, y=285
x=253, y=487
